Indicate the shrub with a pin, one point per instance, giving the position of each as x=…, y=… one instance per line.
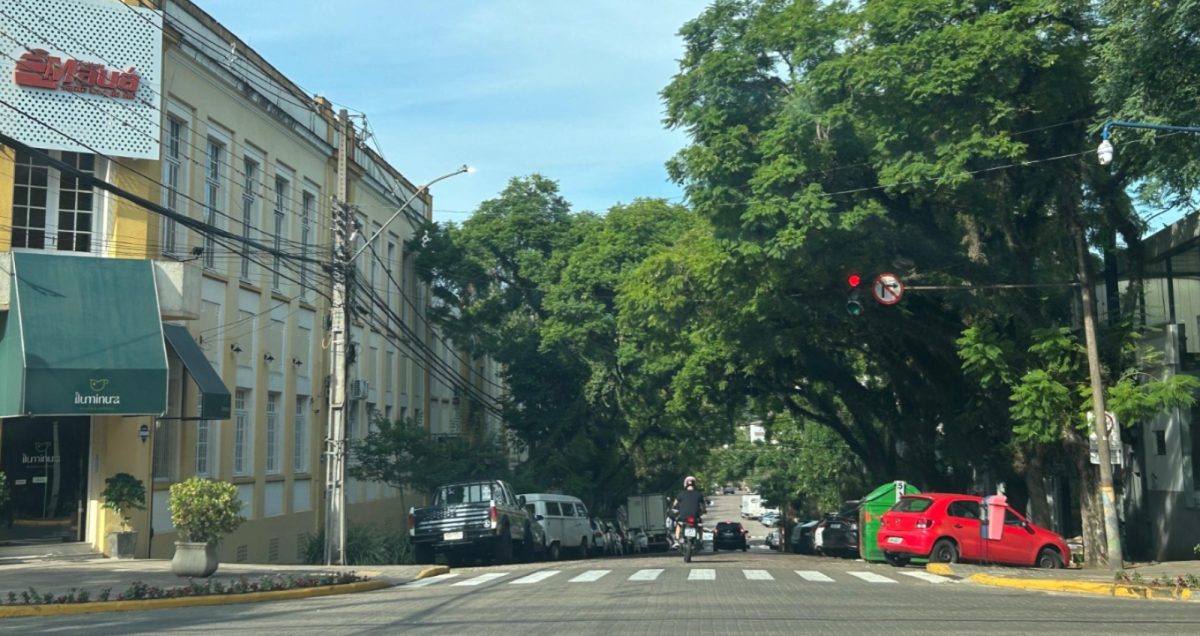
x=203, y=510
x=122, y=493
x=365, y=545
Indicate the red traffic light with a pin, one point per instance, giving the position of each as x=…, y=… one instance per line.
x=854, y=280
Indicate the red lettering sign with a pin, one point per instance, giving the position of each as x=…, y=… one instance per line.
x=39, y=69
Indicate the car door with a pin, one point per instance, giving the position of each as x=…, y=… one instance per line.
x=1018, y=543
x=554, y=525
x=963, y=524
x=585, y=524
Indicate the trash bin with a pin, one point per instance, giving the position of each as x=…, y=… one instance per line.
x=870, y=513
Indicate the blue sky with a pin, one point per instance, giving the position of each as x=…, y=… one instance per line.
x=566, y=89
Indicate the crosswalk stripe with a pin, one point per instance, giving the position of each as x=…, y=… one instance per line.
x=590, y=576
x=927, y=576
x=813, y=575
x=702, y=575
x=871, y=577
x=645, y=575
x=431, y=580
x=534, y=578
x=482, y=578
x=758, y=575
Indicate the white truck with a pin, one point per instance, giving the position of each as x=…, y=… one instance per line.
x=752, y=507
x=648, y=516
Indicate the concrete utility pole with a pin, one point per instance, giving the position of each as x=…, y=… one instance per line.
x=1108, y=499
x=335, y=438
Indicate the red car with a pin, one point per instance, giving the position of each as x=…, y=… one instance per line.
x=947, y=528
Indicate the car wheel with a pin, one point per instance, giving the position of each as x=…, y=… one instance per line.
x=897, y=560
x=552, y=552
x=1049, y=558
x=583, y=549
x=944, y=551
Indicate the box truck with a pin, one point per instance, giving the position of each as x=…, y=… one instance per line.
x=648, y=516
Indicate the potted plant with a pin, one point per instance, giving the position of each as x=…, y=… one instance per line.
x=202, y=511
x=123, y=493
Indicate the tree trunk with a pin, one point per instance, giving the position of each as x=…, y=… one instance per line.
x=1035, y=484
x=1091, y=510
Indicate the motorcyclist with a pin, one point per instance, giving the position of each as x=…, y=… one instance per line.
x=689, y=503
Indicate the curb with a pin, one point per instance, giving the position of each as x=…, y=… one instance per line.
x=66, y=609
x=1112, y=590
x=435, y=570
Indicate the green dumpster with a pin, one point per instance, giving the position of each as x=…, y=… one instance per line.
x=871, y=511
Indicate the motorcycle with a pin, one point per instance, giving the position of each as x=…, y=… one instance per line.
x=692, y=537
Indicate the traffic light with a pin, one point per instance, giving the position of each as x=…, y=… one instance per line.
x=854, y=306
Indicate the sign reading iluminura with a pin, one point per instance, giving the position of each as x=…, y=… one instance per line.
x=82, y=76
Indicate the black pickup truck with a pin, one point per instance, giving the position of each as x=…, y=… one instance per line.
x=473, y=518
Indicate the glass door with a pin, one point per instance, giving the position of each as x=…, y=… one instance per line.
x=44, y=461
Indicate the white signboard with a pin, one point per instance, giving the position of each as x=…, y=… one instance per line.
x=1114, y=440
x=887, y=289
x=82, y=76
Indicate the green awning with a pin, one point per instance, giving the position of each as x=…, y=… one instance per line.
x=214, y=397
x=82, y=336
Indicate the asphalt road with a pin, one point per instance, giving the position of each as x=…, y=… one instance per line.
x=755, y=592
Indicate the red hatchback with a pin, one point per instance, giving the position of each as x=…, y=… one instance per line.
x=948, y=528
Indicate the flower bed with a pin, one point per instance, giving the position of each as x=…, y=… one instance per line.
x=139, y=590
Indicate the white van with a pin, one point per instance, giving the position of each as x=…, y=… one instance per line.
x=565, y=520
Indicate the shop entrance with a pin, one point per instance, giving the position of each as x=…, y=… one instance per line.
x=44, y=460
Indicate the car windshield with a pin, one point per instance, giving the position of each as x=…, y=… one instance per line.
x=465, y=493
x=912, y=504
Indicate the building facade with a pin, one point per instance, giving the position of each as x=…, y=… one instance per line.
x=197, y=285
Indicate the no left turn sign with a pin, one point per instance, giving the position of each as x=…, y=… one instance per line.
x=887, y=290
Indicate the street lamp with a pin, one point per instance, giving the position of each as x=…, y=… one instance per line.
x=1104, y=153
x=404, y=206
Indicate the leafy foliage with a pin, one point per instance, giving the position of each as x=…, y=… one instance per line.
x=402, y=454
x=204, y=510
x=123, y=493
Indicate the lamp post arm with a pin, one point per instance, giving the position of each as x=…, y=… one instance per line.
x=1104, y=133
x=404, y=206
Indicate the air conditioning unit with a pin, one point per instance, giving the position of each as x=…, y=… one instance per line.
x=359, y=389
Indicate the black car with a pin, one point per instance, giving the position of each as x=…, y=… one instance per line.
x=728, y=490
x=730, y=535
x=837, y=533
x=802, y=536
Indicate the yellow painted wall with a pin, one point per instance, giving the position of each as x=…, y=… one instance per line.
x=7, y=158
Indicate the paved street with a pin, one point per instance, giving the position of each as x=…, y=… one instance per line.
x=757, y=592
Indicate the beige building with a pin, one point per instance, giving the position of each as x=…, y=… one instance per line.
x=224, y=370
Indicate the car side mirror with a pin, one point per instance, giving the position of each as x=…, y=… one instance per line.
x=539, y=517
x=521, y=499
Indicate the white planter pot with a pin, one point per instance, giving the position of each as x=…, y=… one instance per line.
x=194, y=559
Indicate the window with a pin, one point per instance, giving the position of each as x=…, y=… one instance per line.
x=281, y=195
x=388, y=380
x=300, y=441
x=552, y=509
x=203, y=449
x=212, y=196
x=389, y=265
x=173, y=178
x=568, y=509
x=52, y=210
x=274, y=435
x=243, y=449
x=1012, y=519
x=166, y=445
x=250, y=174
x=912, y=504
x=963, y=509
x=1160, y=441
x=580, y=510
x=308, y=204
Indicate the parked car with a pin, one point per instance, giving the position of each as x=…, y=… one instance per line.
x=475, y=518
x=773, y=539
x=837, y=533
x=728, y=490
x=600, y=537
x=769, y=519
x=802, y=536
x=730, y=535
x=946, y=528
x=614, y=541
x=565, y=521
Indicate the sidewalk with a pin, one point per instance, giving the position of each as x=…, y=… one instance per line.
x=97, y=574
x=1096, y=581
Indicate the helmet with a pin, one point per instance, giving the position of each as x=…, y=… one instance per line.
x=689, y=480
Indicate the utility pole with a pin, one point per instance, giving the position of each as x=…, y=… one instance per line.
x=1108, y=499
x=335, y=438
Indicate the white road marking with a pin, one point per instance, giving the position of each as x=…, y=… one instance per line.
x=702, y=575
x=871, y=577
x=927, y=576
x=813, y=575
x=591, y=576
x=534, y=578
x=758, y=575
x=645, y=575
x=431, y=580
x=482, y=578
